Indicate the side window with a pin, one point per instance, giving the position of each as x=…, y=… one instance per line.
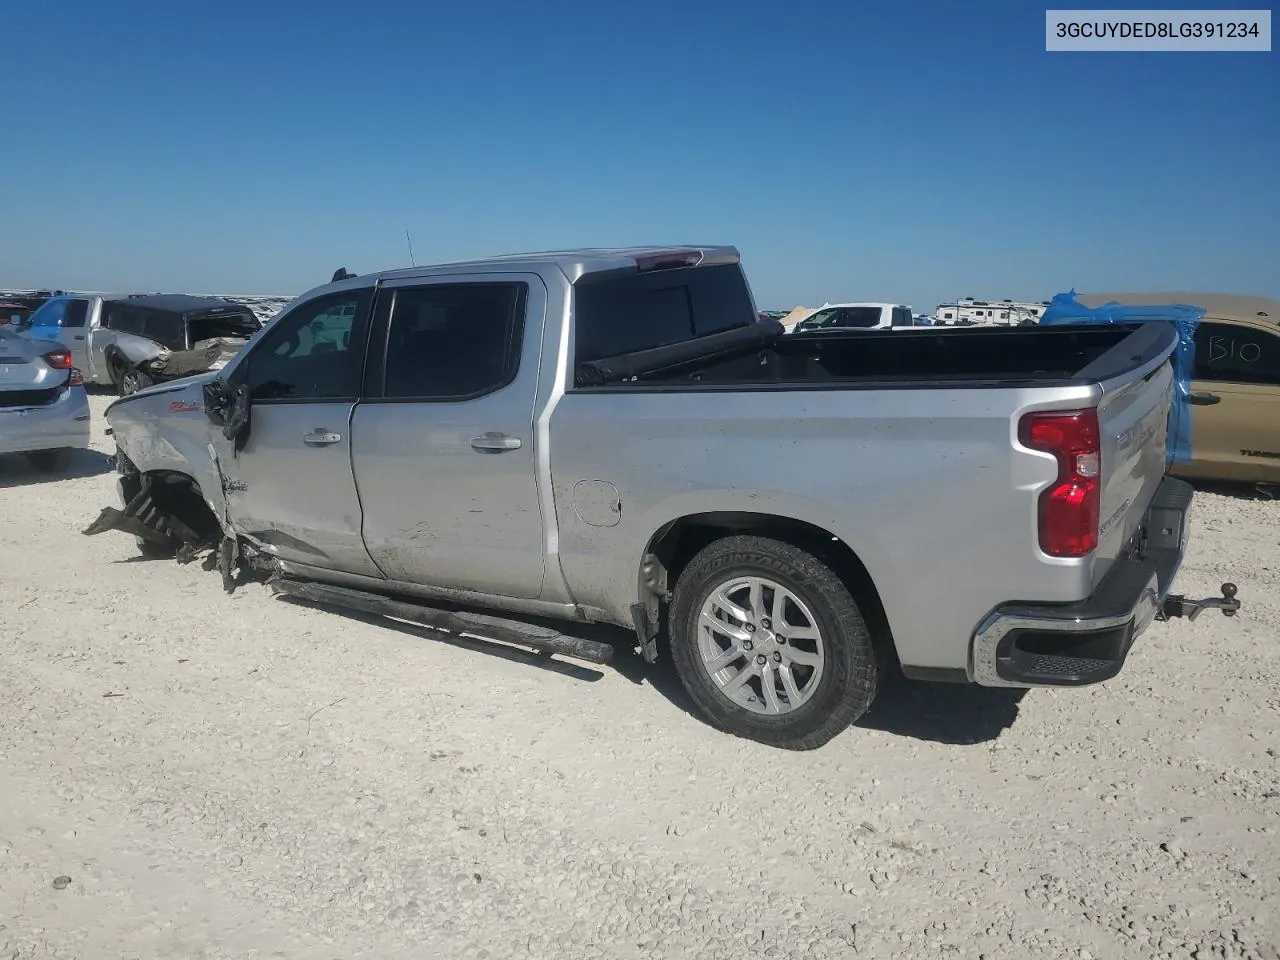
x=308, y=354
x=124, y=320
x=77, y=312
x=50, y=314
x=1236, y=354
x=166, y=329
x=901, y=317
x=454, y=341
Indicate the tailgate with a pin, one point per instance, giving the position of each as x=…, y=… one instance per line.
x=1133, y=416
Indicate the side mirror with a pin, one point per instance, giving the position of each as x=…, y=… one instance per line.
x=227, y=406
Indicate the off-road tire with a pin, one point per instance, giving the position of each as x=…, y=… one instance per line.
x=50, y=461
x=850, y=675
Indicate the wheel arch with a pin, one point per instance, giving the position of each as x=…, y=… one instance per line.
x=674, y=544
x=174, y=491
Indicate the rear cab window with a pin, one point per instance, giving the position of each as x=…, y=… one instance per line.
x=622, y=311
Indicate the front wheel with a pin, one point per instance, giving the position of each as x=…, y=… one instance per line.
x=131, y=381
x=769, y=643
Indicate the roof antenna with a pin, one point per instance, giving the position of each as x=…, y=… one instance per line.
x=409, y=240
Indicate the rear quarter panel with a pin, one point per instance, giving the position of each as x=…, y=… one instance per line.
x=928, y=487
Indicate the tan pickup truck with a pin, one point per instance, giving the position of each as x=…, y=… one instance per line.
x=1235, y=396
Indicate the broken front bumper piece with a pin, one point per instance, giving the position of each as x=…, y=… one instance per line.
x=135, y=352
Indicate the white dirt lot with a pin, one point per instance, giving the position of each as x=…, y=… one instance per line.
x=189, y=774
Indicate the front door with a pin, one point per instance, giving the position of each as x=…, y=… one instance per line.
x=290, y=488
x=1235, y=398
x=443, y=443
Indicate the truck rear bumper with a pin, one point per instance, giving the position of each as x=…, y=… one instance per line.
x=1032, y=645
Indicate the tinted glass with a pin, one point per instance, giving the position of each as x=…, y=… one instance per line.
x=166, y=329
x=307, y=355
x=207, y=326
x=125, y=320
x=901, y=317
x=77, y=311
x=854, y=317
x=454, y=341
x=620, y=313
x=50, y=314
x=1236, y=354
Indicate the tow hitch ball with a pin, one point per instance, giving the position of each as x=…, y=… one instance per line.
x=1179, y=606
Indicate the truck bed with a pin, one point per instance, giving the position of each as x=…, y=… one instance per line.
x=953, y=358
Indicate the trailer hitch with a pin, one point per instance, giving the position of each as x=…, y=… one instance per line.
x=1177, y=605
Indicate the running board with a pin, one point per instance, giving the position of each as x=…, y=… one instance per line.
x=543, y=639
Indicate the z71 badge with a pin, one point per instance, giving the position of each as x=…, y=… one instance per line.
x=184, y=406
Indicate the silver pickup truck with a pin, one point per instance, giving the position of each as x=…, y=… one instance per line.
x=132, y=342
x=614, y=436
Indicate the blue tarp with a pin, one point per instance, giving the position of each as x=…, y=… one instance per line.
x=1065, y=308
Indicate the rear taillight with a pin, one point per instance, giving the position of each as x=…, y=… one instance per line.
x=77, y=378
x=1069, y=509
x=58, y=359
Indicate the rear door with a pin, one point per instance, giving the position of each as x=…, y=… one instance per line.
x=443, y=444
x=1235, y=397
x=290, y=488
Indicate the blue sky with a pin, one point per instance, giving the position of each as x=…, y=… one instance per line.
x=909, y=151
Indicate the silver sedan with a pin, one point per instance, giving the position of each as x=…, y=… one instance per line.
x=44, y=411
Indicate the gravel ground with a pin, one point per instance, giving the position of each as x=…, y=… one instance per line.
x=187, y=774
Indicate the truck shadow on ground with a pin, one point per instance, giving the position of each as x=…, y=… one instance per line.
x=17, y=471
x=945, y=713
x=937, y=712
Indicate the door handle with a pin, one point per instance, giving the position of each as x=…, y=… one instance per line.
x=320, y=438
x=493, y=442
x=79, y=336
x=1204, y=399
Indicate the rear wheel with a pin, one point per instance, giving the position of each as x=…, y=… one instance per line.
x=769, y=643
x=50, y=461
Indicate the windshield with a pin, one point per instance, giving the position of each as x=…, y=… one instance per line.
x=830, y=317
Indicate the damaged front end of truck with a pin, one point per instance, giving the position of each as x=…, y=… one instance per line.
x=137, y=363
x=168, y=511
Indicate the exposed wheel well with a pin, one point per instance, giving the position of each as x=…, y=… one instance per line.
x=174, y=495
x=675, y=545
